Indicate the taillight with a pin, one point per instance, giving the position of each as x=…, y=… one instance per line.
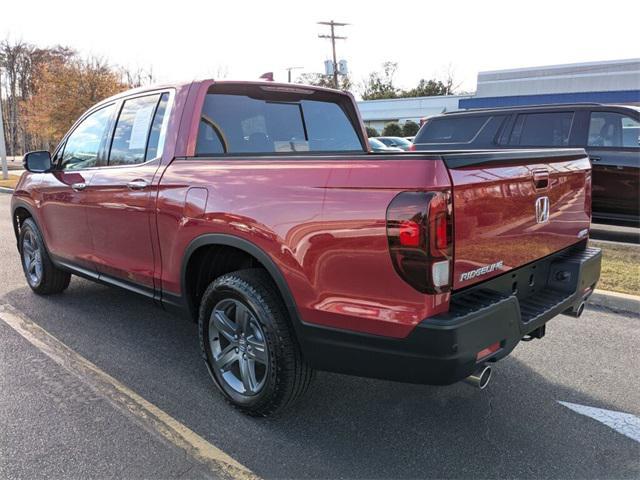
x=412, y=147
x=419, y=231
x=410, y=233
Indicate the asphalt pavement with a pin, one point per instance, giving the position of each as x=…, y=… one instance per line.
x=53, y=424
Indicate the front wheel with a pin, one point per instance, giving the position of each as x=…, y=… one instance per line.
x=42, y=275
x=248, y=343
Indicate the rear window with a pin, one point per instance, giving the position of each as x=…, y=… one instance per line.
x=451, y=129
x=542, y=129
x=234, y=123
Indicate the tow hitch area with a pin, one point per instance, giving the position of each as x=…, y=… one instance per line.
x=537, y=333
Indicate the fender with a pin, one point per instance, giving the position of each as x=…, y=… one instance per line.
x=16, y=203
x=247, y=247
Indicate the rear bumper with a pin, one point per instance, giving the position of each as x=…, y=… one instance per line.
x=442, y=350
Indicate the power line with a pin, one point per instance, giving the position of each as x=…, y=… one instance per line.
x=333, y=39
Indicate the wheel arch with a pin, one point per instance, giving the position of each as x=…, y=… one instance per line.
x=261, y=257
x=19, y=213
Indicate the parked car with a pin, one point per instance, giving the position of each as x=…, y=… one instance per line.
x=395, y=142
x=259, y=210
x=378, y=146
x=409, y=139
x=609, y=133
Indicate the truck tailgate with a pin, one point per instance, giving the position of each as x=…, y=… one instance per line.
x=513, y=207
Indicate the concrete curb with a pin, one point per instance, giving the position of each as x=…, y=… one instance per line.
x=6, y=190
x=615, y=301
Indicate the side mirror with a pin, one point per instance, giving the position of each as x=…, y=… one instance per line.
x=38, y=161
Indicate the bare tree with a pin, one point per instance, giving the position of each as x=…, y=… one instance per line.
x=19, y=62
x=10, y=60
x=137, y=77
x=450, y=82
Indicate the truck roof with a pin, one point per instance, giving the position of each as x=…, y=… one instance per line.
x=182, y=84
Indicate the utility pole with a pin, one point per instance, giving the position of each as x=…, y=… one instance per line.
x=3, y=147
x=333, y=39
x=288, y=69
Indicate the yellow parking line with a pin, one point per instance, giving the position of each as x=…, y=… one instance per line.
x=150, y=417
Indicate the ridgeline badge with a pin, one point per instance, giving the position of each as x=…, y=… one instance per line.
x=481, y=271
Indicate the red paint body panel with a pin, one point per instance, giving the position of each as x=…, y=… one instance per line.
x=322, y=220
x=495, y=215
x=323, y=223
x=122, y=222
x=63, y=214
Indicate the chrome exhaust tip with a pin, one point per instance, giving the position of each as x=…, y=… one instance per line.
x=480, y=378
x=577, y=311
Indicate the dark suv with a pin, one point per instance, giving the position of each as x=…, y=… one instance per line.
x=609, y=133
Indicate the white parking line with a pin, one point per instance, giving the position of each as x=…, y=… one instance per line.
x=624, y=423
x=146, y=414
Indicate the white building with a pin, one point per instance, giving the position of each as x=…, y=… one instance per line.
x=615, y=81
x=377, y=113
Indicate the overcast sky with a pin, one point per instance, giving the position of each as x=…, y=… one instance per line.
x=185, y=39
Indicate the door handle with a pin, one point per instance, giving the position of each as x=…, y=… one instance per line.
x=78, y=187
x=137, y=184
x=541, y=178
x=593, y=158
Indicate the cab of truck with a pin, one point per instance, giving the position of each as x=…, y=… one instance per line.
x=609, y=133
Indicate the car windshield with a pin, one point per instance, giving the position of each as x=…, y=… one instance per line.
x=375, y=143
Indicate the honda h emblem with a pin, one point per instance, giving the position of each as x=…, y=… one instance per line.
x=542, y=209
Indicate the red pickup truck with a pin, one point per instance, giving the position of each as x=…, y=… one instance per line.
x=260, y=210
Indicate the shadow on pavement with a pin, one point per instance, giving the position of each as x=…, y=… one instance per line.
x=347, y=427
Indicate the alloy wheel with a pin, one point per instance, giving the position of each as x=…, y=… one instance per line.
x=32, y=258
x=238, y=347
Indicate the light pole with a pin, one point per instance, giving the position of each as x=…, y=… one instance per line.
x=3, y=147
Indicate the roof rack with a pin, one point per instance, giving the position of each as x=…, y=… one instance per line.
x=524, y=107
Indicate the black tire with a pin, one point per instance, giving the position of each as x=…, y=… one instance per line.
x=287, y=377
x=50, y=279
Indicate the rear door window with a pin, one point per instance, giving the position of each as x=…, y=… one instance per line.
x=156, y=135
x=236, y=124
x=611, y=129
x=542, y=129
x=451, y=129
x=138, y=130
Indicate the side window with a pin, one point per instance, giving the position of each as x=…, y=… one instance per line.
x=82, y=146
x=156, y=136
x=542, y=129
x=451, y=129
x=610, y=129
x=130, y=137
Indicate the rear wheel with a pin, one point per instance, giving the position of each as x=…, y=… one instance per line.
x=42, y=275
x=248, y=343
